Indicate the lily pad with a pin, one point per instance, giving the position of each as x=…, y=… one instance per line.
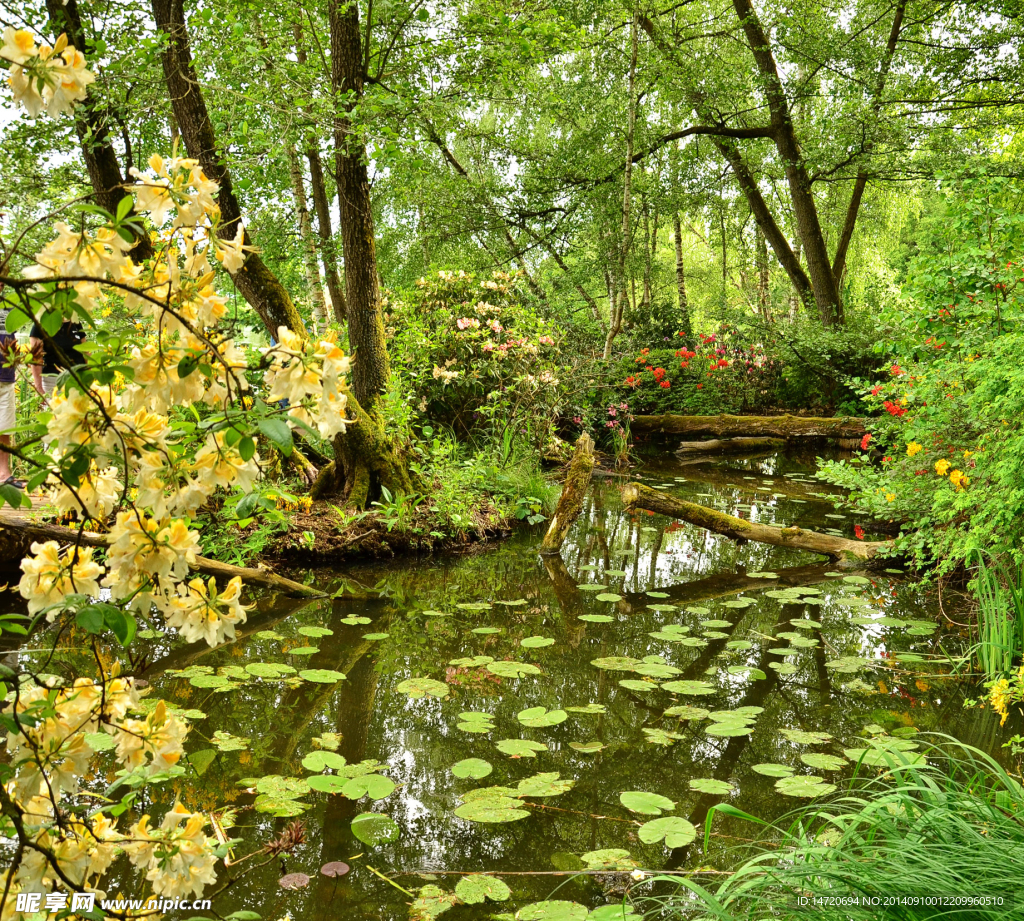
x=473, y=890
x=661, y=736
x=376, y=636
x=552, y=910
x=321, y=675
x=587, y=748
x=319, y=761
x=517, y=603
x=303, y=651
x=768, y=769
x=508, y=669
x=823, y=762
x=609, y=596
x=544, y=784
x=485, y=631
x=618, y=573
x=709, y=785
x=856, y=580
x=315, y=631
x=423, y=687
x=728, y=730
x=691, y=688
x=635, y=684
x=661, y=608
x=536, y=642
x=657, y=595
x=375, y=828
x=539, y=717
x=430, y=902
x=685, y=712
x=375, y=786
x=328, y=783
x=521, y=748
x=475, y=722
x=646, y=803
x=672, y=829
x=800, y=737
x=592, y=587
x=801, y=785
x=472, y=768
x=616, y=663
x=608, y=858
x=596, y=618
x=492, y=810
x=588, y=708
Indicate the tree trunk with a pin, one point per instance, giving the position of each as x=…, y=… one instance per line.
x=819, y=266
x=761, y=258
x=316, y=291
x=91, y=125
x=365, y=458
x=321, y=205
x=725, y=426
x=570, y=503
x=684, y=306
x=637, y=496
x=256, y=282
x=615, y=324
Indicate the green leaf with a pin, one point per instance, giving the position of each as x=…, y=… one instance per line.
x=472, y=768
x=91, y=618
x=423, y=687
x=473, y=890
x=646, y=803
x=539, y=717
x=121, y=624
x=279, y=433
x=375, y=786
x=374, y=828
x=520, y=748
x=202, y=759
x=320, y=760
x=552, y=910
x=672, y=829
x=321, y=675
x=247, y=448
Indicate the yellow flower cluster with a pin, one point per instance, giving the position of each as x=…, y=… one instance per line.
x=302, y=502
x=44, y=79
x=914, y=448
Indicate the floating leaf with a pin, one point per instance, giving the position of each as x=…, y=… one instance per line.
x=587, y=748
x=685, y=712
x=508, y=669
x=656, y=670
x=618, y=573
x=709, y=785
x=423, y=687
x=474, y=606
x=763, y=575
x=375, y=786
x=329, y=740
x=485, y=631
x=675, y=831
x=279, y=806
x=321, y=675
x=856, y=580
x=211, y=681
x=521, y=748
x=609, y=596
x=472, y=890
x=848, y=664
x=768, y=769
x=430, y=902
x=661, y=736
x=476, y=722
x=804, y=786
x=376, y=636
x=335, y=868
x=800, y=737
x=552, y=910
x=661, y=608
x=754, y=674
x=823, y=762
x=354, y=621
x=616, y=663
x=269, y=669
x=692, y=688
x=536, y=642
x=634, y=684
x=303, y=651
x=646, y=803
x=592, y=587
x=657, y=595
x=375, y=828
x=609, y=858
x=294, y=881
x=783, y=668
x=700, y=612
x=588, y=708
x=319, y=761
x=436, y=614
x=315, y=631
x=328, y=783
x=519, y=602
x=472, y=768
x=546, y=784
x=596, y=618
x=715, y=624
x=471, y=661
x=227, y=742
x=539, y=717
x=737, y=603
x=492, y=810
x=728, y=729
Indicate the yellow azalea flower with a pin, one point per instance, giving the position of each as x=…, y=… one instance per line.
x=942, y=466
x=958, y=479
x=914, y=448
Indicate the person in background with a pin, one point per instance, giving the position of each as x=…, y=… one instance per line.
x=8, y=398
x=46, y=371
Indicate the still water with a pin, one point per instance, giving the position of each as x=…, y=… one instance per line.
x=721, y=671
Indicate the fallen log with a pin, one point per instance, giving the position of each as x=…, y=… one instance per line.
x=570, y=503
x=636, y=496
x=766, y=426
x=730, y=446
x=202, y=564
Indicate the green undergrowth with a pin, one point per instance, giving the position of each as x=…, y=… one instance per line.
x=891, y=848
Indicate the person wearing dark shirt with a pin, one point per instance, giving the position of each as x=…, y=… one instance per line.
x=66, y=339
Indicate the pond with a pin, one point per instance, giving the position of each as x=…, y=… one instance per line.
x=612, y=696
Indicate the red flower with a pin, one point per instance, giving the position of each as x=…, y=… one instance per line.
x=666, y=384
x=893, y=409
x=875, y=391
x=864, y=442
x=885, y=460
x=723, y=363
x=858, y=532
x=700, y=386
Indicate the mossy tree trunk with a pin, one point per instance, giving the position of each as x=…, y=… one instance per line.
x=366, y=458
x=838, y=548
x=726, y=426
x=570, y=503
